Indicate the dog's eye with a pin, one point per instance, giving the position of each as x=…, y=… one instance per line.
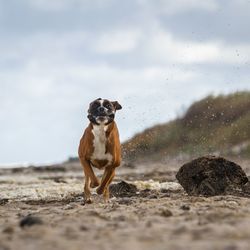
x=95, y=105
x=107, y=105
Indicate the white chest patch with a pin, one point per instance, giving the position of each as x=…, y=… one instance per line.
x=99, y=143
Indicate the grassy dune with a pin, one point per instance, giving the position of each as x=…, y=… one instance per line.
x=216, y=124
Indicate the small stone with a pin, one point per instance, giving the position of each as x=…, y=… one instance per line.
x=123, y=189
x=149, y=224
x=121, y=218
x=8, y=230
x=164, y=190
x=125, y=201
x=29, y=221
x=246, y=188
x=153, y=196
x=68, y=207
x=166, y=213
x=145, y=193
x=83, y=228
x=231, y=247
x=3, y=201
x=165, y=195
x=185, y=207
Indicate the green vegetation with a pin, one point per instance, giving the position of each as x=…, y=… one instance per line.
x=214, y=125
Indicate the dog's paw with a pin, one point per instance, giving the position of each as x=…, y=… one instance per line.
x=87, y=201
x=94, y=184
x=107, y=201
x=99, y=190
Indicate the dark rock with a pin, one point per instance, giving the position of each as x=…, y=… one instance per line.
x=3, y=201
x=59, y=180
x=16, y=170
x=145, y=193
x=125, y=201
x=149, y=224
x=8, y=230
x=121, y=218
x=83, y=228
x=123, y=189
x=166, y=213
x=29, y=221
x=210, y=176
x=153, y=196
x=52, y=168
x=164, y=191
x=246, y=188
x=185, y=207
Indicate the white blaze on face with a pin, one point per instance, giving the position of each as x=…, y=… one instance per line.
x=101, y=121
x=101, y=102
x=99, y=143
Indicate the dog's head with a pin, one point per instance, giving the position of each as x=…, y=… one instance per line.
x=102, y=111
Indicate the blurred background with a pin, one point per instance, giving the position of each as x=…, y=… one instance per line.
x=156, y=57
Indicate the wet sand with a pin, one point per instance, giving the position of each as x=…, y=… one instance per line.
x=159, y=216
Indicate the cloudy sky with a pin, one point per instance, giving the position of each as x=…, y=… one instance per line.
x=154, y=56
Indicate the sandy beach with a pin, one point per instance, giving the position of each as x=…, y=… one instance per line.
x=160, y=215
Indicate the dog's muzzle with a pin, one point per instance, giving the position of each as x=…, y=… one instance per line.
x=101, y=119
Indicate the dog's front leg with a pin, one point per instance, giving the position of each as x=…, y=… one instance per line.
x=90, y=180
x=107, y=177
x=88, y=170
x=87, y=193
x=106, y=190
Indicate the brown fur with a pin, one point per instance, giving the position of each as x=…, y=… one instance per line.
x=85, y=151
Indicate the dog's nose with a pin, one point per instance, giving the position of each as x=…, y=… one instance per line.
x=101, y=109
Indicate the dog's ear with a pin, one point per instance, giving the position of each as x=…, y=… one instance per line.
x=91, y=119
x=117, y=105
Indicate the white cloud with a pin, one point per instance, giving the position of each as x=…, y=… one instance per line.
x=117, y=41
x=153, y=6
x=61, y=5
x=45, y=46
x=234, y=54
x=49, y=5
x=164, y=48
x=172, y=7
x=158, y=45
x=154, y=46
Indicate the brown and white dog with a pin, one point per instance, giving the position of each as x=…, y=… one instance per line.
x=100, y=147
